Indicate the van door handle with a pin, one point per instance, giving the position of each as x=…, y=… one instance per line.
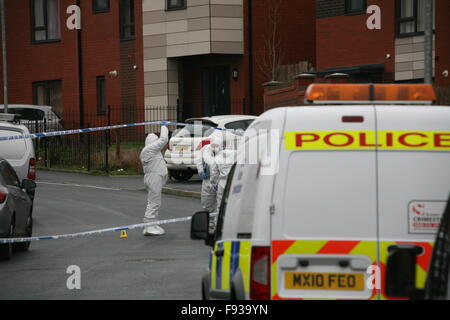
x=219, y=253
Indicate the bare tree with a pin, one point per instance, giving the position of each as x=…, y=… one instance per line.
x=269, y=59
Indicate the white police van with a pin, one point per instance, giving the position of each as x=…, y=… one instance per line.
x=360, y=174
x=20, y=152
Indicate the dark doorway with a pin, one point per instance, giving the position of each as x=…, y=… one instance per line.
x=216, y=91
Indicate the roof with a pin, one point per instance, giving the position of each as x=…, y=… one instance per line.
x=359, y=69
x=26, y=106
x=217, y=119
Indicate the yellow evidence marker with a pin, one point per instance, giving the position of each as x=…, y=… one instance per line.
x=123, y=234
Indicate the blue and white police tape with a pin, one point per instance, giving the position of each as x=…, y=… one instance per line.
x=120, y=126
x=97, y=232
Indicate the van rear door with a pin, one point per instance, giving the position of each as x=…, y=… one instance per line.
x=324, y=225
x=15, y=151
x=413, y=178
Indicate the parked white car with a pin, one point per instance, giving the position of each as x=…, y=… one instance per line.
x=35, y=118
x=185, y=142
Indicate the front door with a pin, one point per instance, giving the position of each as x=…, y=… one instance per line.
x=216, y=91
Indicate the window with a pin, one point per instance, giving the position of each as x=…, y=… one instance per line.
x=239, y=125
x=45, y=20
x=48, y=93
x=10, y=176
x=101, y=96
x=355, y=6
x=101, y=6
x=411, y=16
x=176, y=4
x=127, y=27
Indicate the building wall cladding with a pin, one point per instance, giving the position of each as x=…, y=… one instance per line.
x=101, y=51
x=345, y=40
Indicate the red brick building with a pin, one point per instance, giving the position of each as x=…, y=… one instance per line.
x=394, y=53
x=75, y=71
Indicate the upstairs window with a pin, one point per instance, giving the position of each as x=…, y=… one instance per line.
x=355, y=6
x=176, y=4
x=101, y=6
x=411, y=17
x=45, y=20
x=127, y=21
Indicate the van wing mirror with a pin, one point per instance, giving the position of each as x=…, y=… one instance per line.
x=200, y=225
x=401, y=271
x=29, y=185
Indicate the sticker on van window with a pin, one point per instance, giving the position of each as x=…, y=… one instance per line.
x=425, y=216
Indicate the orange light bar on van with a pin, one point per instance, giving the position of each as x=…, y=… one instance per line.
x=338, y=92
x=404, y=92
x=370, y=93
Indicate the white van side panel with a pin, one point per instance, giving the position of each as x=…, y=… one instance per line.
x=328, y=195
x=416, y=178
x=325, y=220
x=16, y=152
x=314, y=179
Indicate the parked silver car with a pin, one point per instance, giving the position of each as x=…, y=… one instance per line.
x=16, y=209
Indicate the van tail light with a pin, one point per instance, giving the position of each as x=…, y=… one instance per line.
x=3, y=195
x=32, y=169
x=260, y=274
x=202, y=144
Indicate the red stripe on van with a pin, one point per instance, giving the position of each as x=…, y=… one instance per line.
x=279, y=247
x=338, y=247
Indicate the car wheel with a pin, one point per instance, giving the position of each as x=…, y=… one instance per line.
x=6, y=250
x=181, y=175
x=24, y=246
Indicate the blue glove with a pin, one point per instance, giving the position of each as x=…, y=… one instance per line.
x=203, y=175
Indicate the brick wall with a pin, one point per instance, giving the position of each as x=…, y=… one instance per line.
x=442, y=42
x=346, y=40
x=102, y=53
x=297, y=30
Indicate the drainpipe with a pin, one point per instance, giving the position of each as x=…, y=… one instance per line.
x=250, y=55
x=80, y=72
x=428, y=41
x=4, y=63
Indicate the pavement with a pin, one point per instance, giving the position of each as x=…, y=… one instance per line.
x=191, y=188
x=138, y=267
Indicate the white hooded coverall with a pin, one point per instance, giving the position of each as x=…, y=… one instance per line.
x=208, y=196
x=225, y=160
x=155, y=170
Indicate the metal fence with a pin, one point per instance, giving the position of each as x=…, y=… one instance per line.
x=105, y=150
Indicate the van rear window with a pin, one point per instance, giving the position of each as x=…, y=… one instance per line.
x=13, y=149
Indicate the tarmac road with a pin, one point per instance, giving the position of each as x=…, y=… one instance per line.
x=167, y=267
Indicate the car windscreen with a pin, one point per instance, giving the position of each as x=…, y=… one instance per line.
x=199, y=131
x=27, y=114
x=12, y=149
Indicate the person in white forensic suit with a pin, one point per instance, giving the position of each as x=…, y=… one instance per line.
x=225, y=159
x=155, y=170
x=204, y=160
